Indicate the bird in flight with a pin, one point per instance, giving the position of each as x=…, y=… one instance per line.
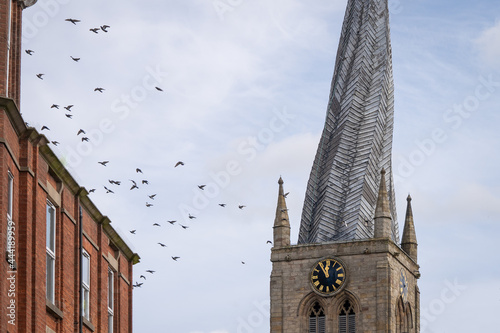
x=243, y=262
x=191, y=216
x=202, y=187
x=54, y=106
x=152, y=196
x=108, y=190
x=40, y=76
x=94, y=30
x=172, y=222
x=159, y=89
x=45, y=128
x=68, y=107
x=162, y=245
x=156, y=225
x=55, y=143
x=133, y=231
x=137, y=285
x=241, y=206
x=184, y=226
x=138, y=170
x=145, y=182
x=150, y=271
x=70, y=116
x=75, y=59
x=286, y=194
x=92, y=190
x=30, y=52
x=74, y=21
x=99, y=89
x=175, y=258
x=103, y=162
x=269, y=242
x=82, y=132
x=115, y=182
x=222, y=205
x=84, y=138
x=178, y=163
x=148, y=204
x=142, y=277
x=105, y=27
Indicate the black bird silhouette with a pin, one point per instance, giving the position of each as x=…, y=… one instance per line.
x=104, y=27
x=145, y=182
x=184, y=226
x=159, y=89
x=152, y=196
x=68, y=107
x=74, y=21
x=156, y=225
x=99, y=89
x=133, y=231
x=175, y=258
x=162, y=245
x=94, y=30
x=243, y=262
x=103, y=162
x=84, y=138
x=45, y=128
x=134, y=184
x=201, y=187
x=286, y=194
x=137, y=285
x=142, y=277
x=92, y=190
x=172, y=222
x=150, y=271
x=222, y=205
x=55, y=143
x=40, y=76
x=241, y=206
x=191, y=216
x=115, y=182
x=54, y=106
x=138, y=170
x=108, y=190
x=30, y=52
x=148, y=204
x=269, y=242
x=70, y=116
x=75, y=59
x=178, y=163
x=80, y=132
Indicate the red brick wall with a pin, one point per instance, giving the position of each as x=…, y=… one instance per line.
x=33, y=186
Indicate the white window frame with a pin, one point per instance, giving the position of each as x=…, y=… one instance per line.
x=86, y=286
x=51, y=251
x=111, y=302
x=10, y=195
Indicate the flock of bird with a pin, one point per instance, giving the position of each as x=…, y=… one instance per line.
x=113, y=183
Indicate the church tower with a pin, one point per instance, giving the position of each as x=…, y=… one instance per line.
x=349, y=273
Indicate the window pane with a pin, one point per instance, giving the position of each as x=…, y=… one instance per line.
x=85, y=269
x=51, y=227
x=50, y=278
x=10, y=190
x=110, y=289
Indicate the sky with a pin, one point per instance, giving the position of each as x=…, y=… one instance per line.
x=244, y=88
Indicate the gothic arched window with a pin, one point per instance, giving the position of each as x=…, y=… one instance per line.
x=317, y=320
x=347, y=318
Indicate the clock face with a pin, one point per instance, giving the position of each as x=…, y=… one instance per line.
x=403, y=286
x=328, y=276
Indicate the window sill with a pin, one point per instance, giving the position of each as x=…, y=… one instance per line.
x=54, y=310
x=87, y=323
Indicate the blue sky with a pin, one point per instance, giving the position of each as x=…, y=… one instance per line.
x=245, y=87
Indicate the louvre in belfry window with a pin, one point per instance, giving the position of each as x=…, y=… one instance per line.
x=347, y=318
x=317, y=320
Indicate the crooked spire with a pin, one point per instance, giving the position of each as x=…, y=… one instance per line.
x=281, y=229
x=356, y=142
x=409, y=241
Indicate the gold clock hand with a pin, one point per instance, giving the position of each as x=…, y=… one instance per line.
x=325, y=271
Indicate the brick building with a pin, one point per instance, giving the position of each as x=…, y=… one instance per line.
x=65, y=267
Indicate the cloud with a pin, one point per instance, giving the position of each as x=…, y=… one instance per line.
x=489, y=46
